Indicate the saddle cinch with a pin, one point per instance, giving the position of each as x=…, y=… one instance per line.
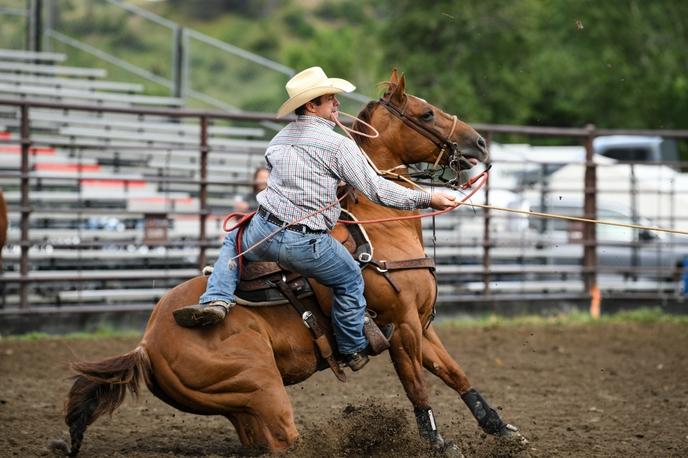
x=266, y=284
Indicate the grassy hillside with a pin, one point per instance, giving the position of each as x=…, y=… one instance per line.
x=332, y=34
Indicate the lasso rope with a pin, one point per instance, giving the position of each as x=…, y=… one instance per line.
x=576, y=218
x=484, y=175
x=244, y=217
x=375, y=134
x=390, y=172
x=463, y=201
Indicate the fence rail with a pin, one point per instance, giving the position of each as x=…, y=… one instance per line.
x=487, y=265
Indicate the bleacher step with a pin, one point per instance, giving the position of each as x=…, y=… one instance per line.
x=31, y=56
x=12, y=78
x=60, y=70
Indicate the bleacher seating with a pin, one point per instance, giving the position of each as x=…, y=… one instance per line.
x=84, y=164
x=175, y=128
x=63, y=94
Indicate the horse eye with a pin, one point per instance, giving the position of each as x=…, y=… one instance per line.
x=427, y=116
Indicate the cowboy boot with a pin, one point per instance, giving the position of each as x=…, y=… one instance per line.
x=357, y=360
x=205, y=314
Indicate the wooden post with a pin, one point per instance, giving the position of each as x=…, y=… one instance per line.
x=203, y=192
x=487, y=218
x=25, y=209
x=589, y=229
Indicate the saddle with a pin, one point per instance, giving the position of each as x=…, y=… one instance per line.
x=265, y=284
x=258, y=282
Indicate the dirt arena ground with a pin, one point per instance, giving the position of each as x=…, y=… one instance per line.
x=574, y=390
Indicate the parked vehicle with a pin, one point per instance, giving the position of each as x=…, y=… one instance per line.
x=637, y=148
x=622, y=250
x=524, y=165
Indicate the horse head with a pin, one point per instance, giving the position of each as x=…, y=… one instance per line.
x=413, y=130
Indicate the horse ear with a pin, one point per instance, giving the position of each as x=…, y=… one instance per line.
x=402, y=84
x=395, y=87
x=394, y=78
x=396, y=92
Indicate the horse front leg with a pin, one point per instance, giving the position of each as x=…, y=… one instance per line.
x=406, y=354
x=437, y=360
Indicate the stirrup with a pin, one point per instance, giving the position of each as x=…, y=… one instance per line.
x=378, y=338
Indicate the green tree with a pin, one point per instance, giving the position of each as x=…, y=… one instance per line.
x=618, y=63
x=472, y=57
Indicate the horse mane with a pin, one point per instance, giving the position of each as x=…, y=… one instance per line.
x=367, y=113
x=364, y=115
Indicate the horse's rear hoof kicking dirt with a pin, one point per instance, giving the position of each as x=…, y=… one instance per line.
x=239, y=368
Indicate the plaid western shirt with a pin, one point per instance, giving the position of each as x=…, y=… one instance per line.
x=307, y=159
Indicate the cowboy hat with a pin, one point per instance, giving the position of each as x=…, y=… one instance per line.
x=309, y=84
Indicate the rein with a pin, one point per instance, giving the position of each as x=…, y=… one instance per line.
x=443, y=143
x=430, y=135
x=484, y=175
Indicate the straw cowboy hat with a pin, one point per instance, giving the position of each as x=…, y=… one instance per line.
x=309, y=84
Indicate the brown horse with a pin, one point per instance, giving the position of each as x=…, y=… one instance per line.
x=239, y=368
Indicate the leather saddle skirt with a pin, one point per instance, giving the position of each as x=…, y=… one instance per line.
x=257, y=288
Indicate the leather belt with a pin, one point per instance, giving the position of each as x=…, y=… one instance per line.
x=302, y=228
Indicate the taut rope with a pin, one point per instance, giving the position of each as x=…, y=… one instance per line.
x=376, y=134
x=483, y=175
x=576, y=218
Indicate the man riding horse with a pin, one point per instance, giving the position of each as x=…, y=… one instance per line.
x=239, y=367
x=307, y=161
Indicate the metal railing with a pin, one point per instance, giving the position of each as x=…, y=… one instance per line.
x=25, y=209
x=487, y=251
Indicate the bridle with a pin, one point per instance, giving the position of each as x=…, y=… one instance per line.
x=443, y=143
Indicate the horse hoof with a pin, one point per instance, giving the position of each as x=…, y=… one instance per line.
x=451, y=450
x=511, y=433
x=444, y=448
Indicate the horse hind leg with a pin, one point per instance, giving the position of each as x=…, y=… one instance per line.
x=267, y=423
x=437, y=360
x=262, y=433
x=253, y=398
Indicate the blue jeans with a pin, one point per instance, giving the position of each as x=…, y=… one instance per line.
x=312, y=255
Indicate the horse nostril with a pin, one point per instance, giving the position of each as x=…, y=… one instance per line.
x=482, y=144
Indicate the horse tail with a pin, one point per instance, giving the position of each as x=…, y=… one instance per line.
x=100, y=387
